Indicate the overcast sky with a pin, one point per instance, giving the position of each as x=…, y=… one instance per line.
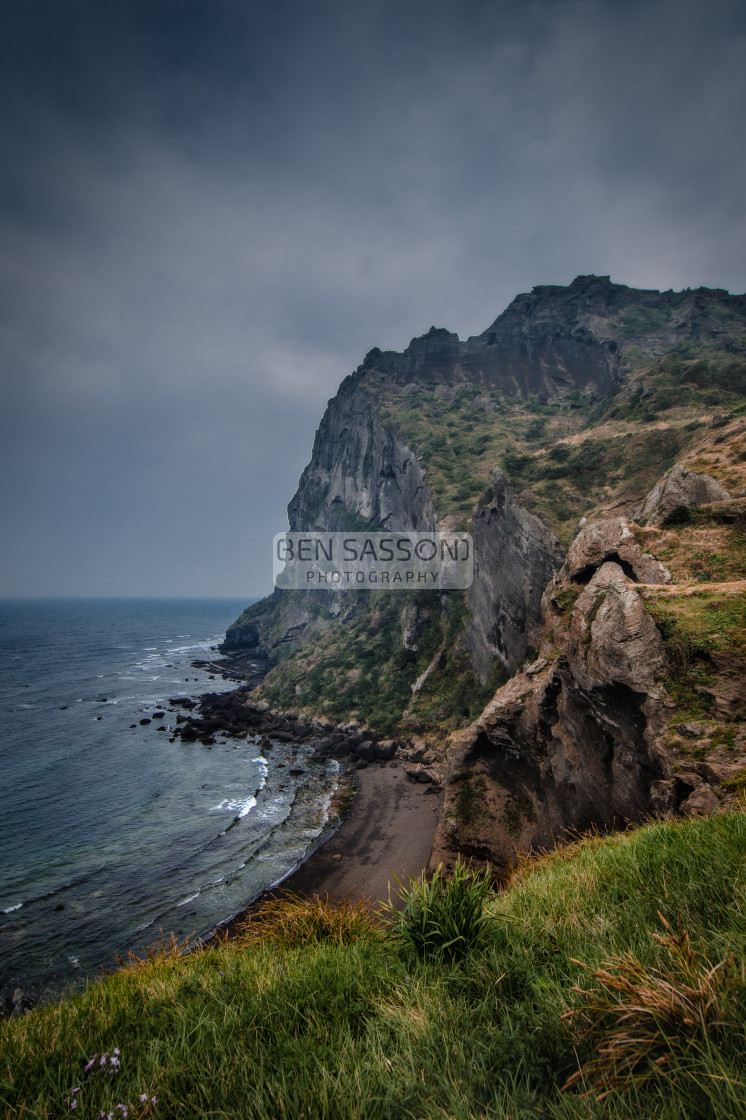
x=210, y=210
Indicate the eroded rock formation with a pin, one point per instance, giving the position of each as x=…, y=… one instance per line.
x=574, y=740
x=515, y=556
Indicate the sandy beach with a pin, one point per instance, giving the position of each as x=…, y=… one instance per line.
x=388, y=833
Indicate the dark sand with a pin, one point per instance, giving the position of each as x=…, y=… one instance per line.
x=388, y=833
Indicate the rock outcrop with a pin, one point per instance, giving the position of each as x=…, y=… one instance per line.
x=571, y=742
x=678, y=487
x=611, y=539
x=556, y=339
x=360, y=473
x=515, y=556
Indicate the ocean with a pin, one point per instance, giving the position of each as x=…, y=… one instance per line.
x=111, y=836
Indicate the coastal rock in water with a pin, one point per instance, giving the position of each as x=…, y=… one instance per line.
x=679, y=487
x=515, y=556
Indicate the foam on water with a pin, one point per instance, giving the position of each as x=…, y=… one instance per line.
x=110, y=829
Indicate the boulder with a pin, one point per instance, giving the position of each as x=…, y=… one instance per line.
x=416, y=772
x=702, y=802
x=663, y=797
x=692, y=730
x=679, y=487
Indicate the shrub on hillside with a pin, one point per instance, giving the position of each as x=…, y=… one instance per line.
x=444, y=917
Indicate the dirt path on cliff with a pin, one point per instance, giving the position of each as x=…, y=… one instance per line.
x=661, y=590
x=389, y=831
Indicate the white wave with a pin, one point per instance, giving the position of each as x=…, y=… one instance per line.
x=191, y=898
x=238, y=808
x=10, y=909
x=145, y=925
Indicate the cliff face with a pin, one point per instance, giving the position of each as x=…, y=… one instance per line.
x=360, y=473
x=556, y=339
x=515, y=557
x=579, y=409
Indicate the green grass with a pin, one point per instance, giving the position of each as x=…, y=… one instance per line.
x=368, y=1030
x=357, y=667
x=468, y=806
x=699, y=631
x=442, y=917
x=459, y=442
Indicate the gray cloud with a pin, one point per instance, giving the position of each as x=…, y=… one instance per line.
x=211, y=211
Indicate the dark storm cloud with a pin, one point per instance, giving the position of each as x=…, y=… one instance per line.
x=209, y=212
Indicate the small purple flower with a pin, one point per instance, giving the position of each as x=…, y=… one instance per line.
x=73, y=1103
x=123, y=1109
x=90, y=1066
x=143, y=1097
x=103, y=1059
x=153, y=1100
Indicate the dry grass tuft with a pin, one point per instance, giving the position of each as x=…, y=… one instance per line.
x=167, y=949
x=645, y=1020
x=291, y=920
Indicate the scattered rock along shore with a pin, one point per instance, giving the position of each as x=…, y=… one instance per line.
x=237, y=714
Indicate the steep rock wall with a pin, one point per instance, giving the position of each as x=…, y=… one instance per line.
x=359, y=473
x=576, y=739
x=515, y=557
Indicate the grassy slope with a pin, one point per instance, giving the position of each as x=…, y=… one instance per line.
x=361, y=1030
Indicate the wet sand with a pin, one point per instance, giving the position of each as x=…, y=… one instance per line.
x=389, y=832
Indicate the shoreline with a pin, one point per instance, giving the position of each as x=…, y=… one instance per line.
x=387, y=834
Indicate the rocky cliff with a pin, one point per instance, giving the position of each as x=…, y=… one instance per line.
x=579, y=410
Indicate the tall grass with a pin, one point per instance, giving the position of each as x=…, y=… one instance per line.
x=362, y=1030
x=647, y=1021
x=443, y=917
x=291, y=920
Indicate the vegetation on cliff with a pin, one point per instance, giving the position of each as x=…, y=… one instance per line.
x=607, y=980
x=584, y=397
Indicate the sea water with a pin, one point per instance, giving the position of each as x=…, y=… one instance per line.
x=111, y=835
